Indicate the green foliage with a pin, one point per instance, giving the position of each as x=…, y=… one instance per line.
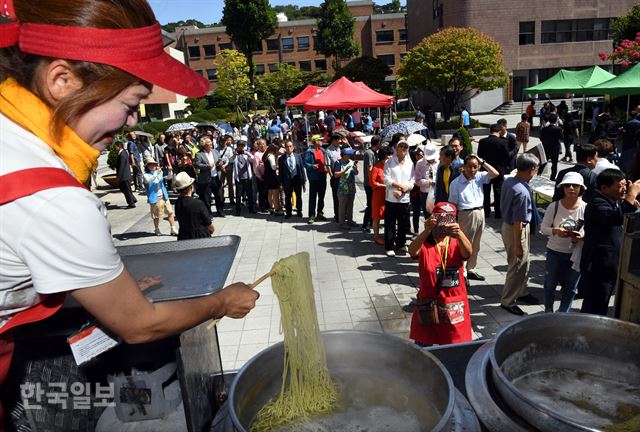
x=285, y=83
x=248, y=22
x=372, y=71
x=171, y=27
x=452, y=62
x=335, y=28
x=195, y=105
x=233, y=81
x=393, y=7
x=626, y=26
x=294, y=12
x=466, y=140
x=112, y=157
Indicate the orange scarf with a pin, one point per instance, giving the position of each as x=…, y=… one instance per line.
x=28, y=111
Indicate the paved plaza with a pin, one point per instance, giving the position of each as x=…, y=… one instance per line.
x=357, y=286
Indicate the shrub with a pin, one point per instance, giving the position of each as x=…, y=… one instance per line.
x=466, y=140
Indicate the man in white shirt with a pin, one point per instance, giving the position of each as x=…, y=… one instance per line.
x=605, y=148
x=466, y=192
x=399, y=179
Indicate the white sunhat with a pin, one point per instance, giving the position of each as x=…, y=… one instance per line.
x=183, y=180
x=430, y=151
x=416, y=139
x=573, y=178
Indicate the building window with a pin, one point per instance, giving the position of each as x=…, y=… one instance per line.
x=211, y=74
x=437, y=8
x=226, y=46
x=402, y=35
x=203, y=73
x=209, y=51
x=305, y=65
x=388, y=59
x=579, y=30
x=384, y=36
x=402, y=56
x=287, y=44
x=273, y=44
x=259, y=69
x=273, y=67
x=303, y=42
x=258, y=47
x=194, y=52
x=321, y=65
x=527, y=33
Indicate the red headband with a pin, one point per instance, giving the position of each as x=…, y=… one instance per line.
x=138, y=51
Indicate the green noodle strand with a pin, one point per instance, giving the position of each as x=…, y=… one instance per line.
x=307, y=389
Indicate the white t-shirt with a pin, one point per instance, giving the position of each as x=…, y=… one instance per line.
x=402, y=173
x=556, y=243
x=603, y=164
x=52, y=241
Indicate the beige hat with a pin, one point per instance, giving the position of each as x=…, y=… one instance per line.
x=183, y=180
x=150, y=160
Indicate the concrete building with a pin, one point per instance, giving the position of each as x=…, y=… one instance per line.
x=379, y=35
x=538, y=37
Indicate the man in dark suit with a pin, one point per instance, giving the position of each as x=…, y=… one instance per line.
x=208, y=181
x=586, y=157
x=512, y=144
x=293, y=177
x=123, y=173
x=493, y=149
x=603, y=220
x=550, y=137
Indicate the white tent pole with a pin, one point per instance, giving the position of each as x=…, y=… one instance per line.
x=584, y=108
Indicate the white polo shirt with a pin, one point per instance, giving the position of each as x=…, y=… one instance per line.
x=468, y=194
x=402, y=173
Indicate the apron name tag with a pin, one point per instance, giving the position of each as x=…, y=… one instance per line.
x=89, y=343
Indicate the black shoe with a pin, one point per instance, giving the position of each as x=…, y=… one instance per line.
x=287, y=216
x=409, y=308
x=529, y=299
x=515, y=309
x=220, y=214
x=131, y=206
x=475, y=276
x=299, y=214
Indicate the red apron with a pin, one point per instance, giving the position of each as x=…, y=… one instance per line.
x=452, y=300
x=16, y=185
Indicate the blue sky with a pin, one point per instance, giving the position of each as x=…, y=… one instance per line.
x=208, y=11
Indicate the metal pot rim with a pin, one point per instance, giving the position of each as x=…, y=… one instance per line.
x=497, y=370
x=445, y=417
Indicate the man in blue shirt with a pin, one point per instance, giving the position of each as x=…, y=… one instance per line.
x=465, y=118
x=518, y=211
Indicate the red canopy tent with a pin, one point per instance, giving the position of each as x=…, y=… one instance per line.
x=366, y=87
x=302, y=97
x=344, y=94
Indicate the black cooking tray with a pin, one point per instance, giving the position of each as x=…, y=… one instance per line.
x=188, y=268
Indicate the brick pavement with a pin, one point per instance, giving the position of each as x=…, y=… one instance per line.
x=356, y=285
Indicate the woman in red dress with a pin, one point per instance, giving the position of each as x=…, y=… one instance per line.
x=376, y=180
x=442, y=312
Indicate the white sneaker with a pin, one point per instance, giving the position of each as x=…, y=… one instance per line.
x=391, y=253
x=158, y=233
x=174, y=231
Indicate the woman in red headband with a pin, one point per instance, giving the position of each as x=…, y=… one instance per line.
x=72, y=75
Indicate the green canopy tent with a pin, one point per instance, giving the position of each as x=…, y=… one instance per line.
x=625, y=84
x=566, y=81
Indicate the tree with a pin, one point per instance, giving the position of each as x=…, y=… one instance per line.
x=195, y=105
x=171, y=27
x=294, y=12
x=626, y=26
x=284, y=83
x=248, y=22
x=233, y=81
x=392, y=7
x=335, y=29
x=372, y=71
x=451, y=63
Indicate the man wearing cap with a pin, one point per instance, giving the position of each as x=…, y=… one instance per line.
x=157, y=196
x=315, y=162
x=333, y=153
x=518, y=211
x=399, y=180
x=370, y=158
x=293, y=178
x=243, y=176
x=123, y=174
x=551, y=137
x=467, y=193
x=193, y=217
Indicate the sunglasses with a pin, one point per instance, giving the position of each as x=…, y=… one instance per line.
x=572, y=186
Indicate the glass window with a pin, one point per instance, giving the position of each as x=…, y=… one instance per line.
x=258, y=47
x=224, y=46
x=321, y=65
x=388, y=59
x=580, y=30
x=287, y=43
x=303, y=42
x=259, y=69
x=273, y=67
x=273, y=44
x=209, y=51
x=211, y=74
x=305, y=65
x=384, y=36
x=317, y=42
x=194, y=52
x=527, y=32
x=402, y=35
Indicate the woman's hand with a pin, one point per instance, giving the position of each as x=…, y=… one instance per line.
x=560, y=232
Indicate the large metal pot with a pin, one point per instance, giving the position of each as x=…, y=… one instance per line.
x=569, y=372
x=385, y=369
